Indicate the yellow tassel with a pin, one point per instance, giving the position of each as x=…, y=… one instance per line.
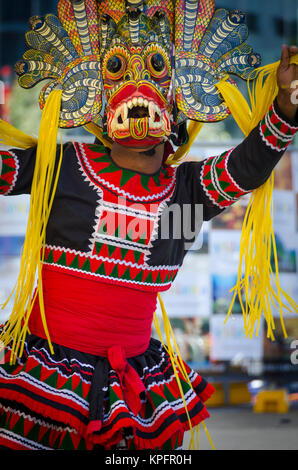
x=257, y=238
x=42, y=195
x=97, y=131
x=14, y=138
x=177, y=364
x=193, y=130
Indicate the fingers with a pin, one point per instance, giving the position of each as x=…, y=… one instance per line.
x=285, y=57
x=293, y=50
x=286, y=54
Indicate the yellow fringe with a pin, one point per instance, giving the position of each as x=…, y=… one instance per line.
x=14, y=138
x=97, y=131
x=177, y=364
x=42, y=195
x=257, y=238
x=193, y=130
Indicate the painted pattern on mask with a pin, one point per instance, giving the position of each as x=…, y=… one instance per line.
x=114, y=61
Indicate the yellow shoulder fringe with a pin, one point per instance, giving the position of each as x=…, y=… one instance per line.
x=42, y=194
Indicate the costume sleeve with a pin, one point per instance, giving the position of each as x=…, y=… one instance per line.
x=219, y=182
x=16, y=171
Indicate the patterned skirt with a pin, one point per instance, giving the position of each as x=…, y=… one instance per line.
x=47, y=401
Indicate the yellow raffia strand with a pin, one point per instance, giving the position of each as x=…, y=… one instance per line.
x=14, y=138
x=97, y=131
x=43, y=189
x=177, y=364
x=193, y=130
x=257, y=237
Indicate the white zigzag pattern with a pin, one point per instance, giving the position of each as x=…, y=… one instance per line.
x=11, y=436
x=108, y=260
x=41, y=385
x=118, y=279
x=38, y=421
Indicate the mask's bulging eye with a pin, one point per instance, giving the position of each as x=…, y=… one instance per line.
x=158, y=62
x=115, y=67
x=156, y=65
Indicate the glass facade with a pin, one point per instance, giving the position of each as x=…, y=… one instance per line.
x=14, y=15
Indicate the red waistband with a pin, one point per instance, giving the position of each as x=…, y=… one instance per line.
x=92, y=316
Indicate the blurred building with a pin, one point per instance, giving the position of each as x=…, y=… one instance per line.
x=271, y=23
x=14, y=15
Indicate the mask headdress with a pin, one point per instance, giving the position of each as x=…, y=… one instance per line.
x=72, y=51
x=209, y=47
x=66, y=50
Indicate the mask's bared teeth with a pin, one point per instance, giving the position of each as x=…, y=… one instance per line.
x=152, y=110
x=124, y=111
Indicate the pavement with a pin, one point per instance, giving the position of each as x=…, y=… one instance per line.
x=239, y=428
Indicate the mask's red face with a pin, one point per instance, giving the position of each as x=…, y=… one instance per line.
x=137, y=85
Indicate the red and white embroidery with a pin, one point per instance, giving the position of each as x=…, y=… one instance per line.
x=218, y=183
x=275, y=132
x=9, y=172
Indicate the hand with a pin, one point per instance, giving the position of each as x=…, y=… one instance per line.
x=287, y=74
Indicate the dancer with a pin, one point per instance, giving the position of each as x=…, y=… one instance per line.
x=103, y=381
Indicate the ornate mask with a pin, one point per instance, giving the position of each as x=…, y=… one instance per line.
x=137, y=68
x=137, y=71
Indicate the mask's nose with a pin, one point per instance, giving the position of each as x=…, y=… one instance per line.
x=136, y=69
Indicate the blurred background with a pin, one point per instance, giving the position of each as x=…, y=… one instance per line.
x=240, y=368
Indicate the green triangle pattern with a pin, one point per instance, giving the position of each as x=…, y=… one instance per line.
x=52, y=379
x=6, y=168
x=149, y=279
x=112, y=168
x=86, y=266
x=36, y=372
x=137, y=255
x=3, y=182
x=50, y=258
x=125, y=177
x=67, y=443
x=211, y=187
x=75, y=263
x=124, y=252
x=145, y=182
x=62, y=260
x=126, y=275
x=115, y=272
x=101, y=270
x=97, y=148
x=111, y=249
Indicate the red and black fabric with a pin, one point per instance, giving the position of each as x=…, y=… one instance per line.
x=77, y=400
x=74, y=401
x=106, y=220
